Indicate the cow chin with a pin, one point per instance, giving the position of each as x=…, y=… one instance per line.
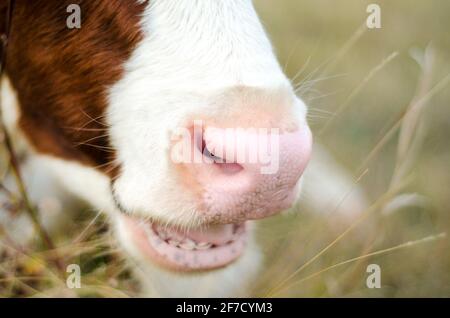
x=168, y=270
x=186, y=249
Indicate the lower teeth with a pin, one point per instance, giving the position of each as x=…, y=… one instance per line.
x=173, y=242
x=203, y=246
x=188, y=244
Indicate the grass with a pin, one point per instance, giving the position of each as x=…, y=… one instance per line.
x=379, y=100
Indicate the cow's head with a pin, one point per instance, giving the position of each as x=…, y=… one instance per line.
x=182, y=104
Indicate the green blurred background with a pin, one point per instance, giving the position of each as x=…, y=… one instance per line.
x=331, y=36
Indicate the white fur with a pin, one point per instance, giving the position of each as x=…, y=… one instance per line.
x=192, y=52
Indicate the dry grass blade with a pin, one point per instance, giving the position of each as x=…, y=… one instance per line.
x=13, y=161
x=344, y=49
x=436, y=89
x=358, y=89
x=380, y=252
x=374, y=207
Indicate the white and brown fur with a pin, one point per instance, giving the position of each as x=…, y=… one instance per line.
x=95, y=106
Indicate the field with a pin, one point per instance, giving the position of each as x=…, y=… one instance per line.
x=380, y=103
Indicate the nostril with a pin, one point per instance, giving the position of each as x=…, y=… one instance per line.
x=224, y=166
x=208, y=154
x=228, y=168
x=248, y=173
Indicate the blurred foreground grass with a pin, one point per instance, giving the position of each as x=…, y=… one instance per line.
x=358, y=84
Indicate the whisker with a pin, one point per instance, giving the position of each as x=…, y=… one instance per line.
x=310, y=99
x=91, y=139
x=96, y=119
x=317, y=116
x=361, y=85
x=303, y=68
x=104, y=148
x=310, y=83
x=85, y=129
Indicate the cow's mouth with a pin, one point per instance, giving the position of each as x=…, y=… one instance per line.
x=187, y=250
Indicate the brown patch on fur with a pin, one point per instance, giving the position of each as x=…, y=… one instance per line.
x=61, y=75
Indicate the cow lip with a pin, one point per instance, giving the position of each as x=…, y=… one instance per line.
x=193, y=250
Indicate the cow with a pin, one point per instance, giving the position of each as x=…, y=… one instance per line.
x=140, y=112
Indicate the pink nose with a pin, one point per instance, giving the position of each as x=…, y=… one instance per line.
x=249, y=174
